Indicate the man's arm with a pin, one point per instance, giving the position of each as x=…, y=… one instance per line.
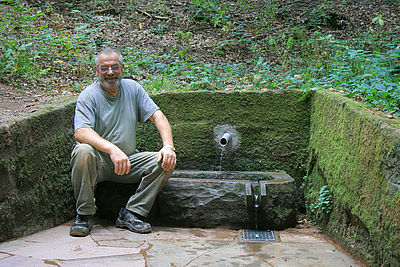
x=167, y=153
x=118, y=157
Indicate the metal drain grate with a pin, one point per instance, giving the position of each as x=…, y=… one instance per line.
x=254, y=235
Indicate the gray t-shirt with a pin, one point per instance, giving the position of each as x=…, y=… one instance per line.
x=114, y=118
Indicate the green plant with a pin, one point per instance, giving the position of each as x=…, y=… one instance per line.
x=210, y=10
x=320, y=14
x=379, y=20
x=372, y=77
x=324, y=203
x=376, y=34
x=183, y=37
x=16, y=60
x=303, y=183
x=162, y=84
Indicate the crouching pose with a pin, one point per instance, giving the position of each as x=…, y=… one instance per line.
x=106, y=117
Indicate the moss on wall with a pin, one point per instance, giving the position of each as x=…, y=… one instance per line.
x=350, y=149
x=349, y=146
x=273, y=128
x=35, y=186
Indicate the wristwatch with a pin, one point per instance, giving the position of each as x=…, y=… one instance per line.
x=170, y=146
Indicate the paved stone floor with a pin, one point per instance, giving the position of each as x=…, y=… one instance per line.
x=165, y=246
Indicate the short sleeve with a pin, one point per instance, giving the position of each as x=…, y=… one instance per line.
x=146, y=105
x=84, y=115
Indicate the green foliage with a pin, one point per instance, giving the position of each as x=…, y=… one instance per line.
x=17, y=54
x=371, y=77
x=379, y=20
x=320, y=14
x=324, y=203
x=184, y=38
x=211, y=11
x=366, y=68
x=16, y=59
x=31, y=49
x=317, y=61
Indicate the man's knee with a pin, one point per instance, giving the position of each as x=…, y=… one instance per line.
x=83, y=150
x=82, y=155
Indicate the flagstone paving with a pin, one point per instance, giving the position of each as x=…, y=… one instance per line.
x=167, y=246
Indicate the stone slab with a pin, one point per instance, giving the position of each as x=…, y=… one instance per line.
x=172, y=246
x=205, y=202
x=56, y=243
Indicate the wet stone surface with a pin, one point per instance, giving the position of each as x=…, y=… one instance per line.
x=251, y=176
x=167, y=246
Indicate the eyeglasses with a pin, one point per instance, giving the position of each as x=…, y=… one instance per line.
x=113, y=68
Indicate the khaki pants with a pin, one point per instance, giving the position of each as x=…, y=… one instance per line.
x=90, y=166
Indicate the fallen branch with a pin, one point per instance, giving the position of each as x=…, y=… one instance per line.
x=151, y=16
x=106, y=10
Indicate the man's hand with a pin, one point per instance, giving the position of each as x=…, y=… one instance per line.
x=121, y=161
x=168, y=157
x=167, y=153
x=118, y=157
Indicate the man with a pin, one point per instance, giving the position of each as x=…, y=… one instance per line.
x=106, y=117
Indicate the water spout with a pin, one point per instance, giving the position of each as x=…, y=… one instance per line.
x=225, y=139
x=256, y=196
x=256, y=201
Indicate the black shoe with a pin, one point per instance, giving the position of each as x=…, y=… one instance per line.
x=128, y=219
x=82, y=226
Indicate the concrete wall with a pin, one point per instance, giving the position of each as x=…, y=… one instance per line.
x=35, y=190
x=346, y=147
x=273, y=128
x=356, y=154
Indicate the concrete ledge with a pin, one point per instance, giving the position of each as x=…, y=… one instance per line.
x=35, y=188
x=355, y=152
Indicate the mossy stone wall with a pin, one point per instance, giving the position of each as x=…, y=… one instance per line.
x=35, y=188
x=273, y=129
x=356, y=153
x=347, y=147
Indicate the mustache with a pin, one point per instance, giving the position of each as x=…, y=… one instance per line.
x=111, y=76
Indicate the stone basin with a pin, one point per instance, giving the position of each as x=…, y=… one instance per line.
x=223, y=175
x=211, y=199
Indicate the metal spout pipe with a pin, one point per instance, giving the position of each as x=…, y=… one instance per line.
x=225, y=139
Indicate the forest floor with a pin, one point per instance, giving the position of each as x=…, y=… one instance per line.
x=238, y=32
